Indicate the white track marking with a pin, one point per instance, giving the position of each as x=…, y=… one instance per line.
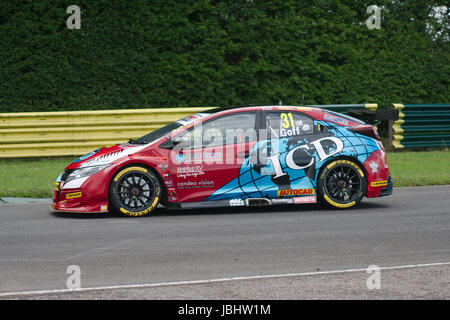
x=208, y=281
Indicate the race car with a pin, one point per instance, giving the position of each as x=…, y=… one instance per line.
x=245, y=156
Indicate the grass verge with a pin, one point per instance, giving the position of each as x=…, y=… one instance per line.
x=422, y=168
x=36, y=177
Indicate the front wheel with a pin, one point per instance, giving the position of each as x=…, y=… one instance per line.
x=342, y=184
x=134, y=191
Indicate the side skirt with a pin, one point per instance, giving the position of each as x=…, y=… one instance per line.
x=244, y=202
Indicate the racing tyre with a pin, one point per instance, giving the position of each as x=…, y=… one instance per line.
x=342, y=184
x=134, y=191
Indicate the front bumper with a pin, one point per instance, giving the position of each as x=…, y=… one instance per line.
x=91, y=196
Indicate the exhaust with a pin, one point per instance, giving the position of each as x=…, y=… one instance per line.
x=258, y=202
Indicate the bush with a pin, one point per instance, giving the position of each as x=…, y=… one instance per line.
x=143, y=54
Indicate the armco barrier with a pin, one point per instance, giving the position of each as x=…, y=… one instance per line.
x=421, y=125
x=73, y=133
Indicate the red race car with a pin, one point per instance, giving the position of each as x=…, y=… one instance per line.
x=247, y=156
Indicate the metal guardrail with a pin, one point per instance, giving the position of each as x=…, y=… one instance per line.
x=73, y=133
x=421, y=125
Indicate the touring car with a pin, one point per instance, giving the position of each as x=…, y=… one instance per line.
x=246, y=156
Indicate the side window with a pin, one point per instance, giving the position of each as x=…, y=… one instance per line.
x=231, y=129
x=288, y=124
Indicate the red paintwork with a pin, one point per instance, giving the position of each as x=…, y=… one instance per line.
x=382, y=173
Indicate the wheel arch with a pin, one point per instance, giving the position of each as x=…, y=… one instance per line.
x=164, y=194
x=342, y=157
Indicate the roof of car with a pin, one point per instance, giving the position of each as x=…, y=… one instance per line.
x=315, y=112
x=260, y=107
x=219, y=109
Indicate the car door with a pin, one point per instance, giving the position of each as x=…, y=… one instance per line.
x=212, y=155
x=290, y=167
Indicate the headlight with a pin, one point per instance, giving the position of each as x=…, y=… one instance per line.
x=85, y=172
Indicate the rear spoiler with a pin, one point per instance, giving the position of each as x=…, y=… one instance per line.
x=374, y=117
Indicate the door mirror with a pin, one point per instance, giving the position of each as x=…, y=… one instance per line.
x=183, y=139
x=170, y=144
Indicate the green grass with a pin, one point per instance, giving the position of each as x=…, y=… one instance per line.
x=36, y=178
x=30, y=178
x=422, y=168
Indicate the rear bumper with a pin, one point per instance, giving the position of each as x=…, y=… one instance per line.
x=389, y=188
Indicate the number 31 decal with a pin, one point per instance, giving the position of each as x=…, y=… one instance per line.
x=287, y=119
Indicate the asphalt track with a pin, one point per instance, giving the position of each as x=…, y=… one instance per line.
x=159, y=256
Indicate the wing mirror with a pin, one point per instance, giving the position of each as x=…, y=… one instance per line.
x=170, y=144
x=184, y=139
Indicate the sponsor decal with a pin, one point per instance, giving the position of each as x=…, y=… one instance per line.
x=382, y=183
x=289, y=127
x=187, y=184
x=308, y=199
x=206, y=183
x=236, y=202
x=275, y=159
x=103, y=207
x=194, y=171
x=180, y=157
x=335, y=119
x=190, y=119
x=163, y=166
x=193, y=184
x=73, y=195
x=374, y=166
x=168, y=183
x=292, y=108
x=290, y=132
x=172, y=195
x=204, y=156
x=295, y=192
x=282, y=201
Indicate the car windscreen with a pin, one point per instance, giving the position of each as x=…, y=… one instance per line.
x=157, y=134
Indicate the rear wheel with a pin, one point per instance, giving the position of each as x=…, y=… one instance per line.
x=342, y=184
x=134, y=191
